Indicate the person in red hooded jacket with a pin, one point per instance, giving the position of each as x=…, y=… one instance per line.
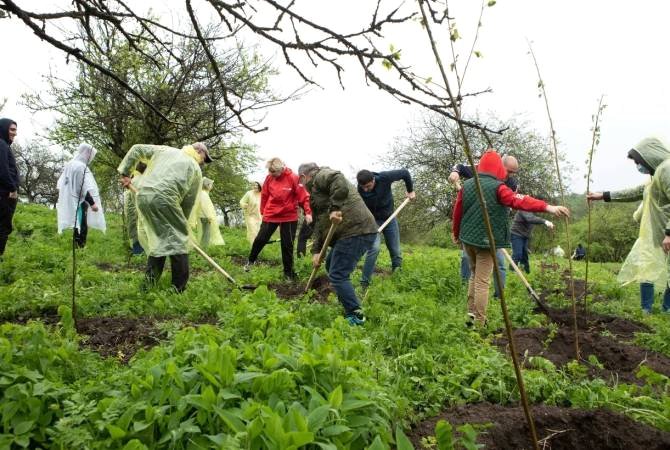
x=469, y=227
x=280, y=196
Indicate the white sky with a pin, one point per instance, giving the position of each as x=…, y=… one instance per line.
x=585, y=49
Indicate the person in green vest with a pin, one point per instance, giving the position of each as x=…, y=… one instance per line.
x=470, y=230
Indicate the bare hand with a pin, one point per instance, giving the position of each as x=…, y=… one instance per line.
x=14, y=194
x=454, y=239
x=125, y=181
x=315, y=260
x=336, y=217
x=594, y=196
x=95, y=208
x=454, y=177
x=411, y=195
x=558, y=211
x=549, y=224
x=308, y=218
x=666, y=244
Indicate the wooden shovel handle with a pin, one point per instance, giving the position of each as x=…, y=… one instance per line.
x=322, y=254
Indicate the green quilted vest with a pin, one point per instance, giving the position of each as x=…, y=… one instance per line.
x=473, y=228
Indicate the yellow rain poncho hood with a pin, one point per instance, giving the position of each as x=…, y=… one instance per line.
x=167, y=193
x=646, y=261
x=204, y=219
x=251, y=206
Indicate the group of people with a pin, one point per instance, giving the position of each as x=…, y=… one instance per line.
x=169, y=209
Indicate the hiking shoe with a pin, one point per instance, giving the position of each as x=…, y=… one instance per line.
x=470, y=320
x=354, y=320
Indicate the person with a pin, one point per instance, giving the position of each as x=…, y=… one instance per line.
x=579, y=253
x=280, y=196
x=375, y=189
x=558, y=252
x=647, y=262
x=464, y=172
x=166, y=195
x=522, y=228
x=9, y=180
x=77, y=193
x=130, y=209
x=335, y=200
x=205, y=219
x=470, y=230
x=251, y=207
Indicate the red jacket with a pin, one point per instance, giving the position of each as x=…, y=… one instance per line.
x=491, y=164
x=281, y=196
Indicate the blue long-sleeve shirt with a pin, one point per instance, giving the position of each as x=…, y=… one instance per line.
x=380, y=199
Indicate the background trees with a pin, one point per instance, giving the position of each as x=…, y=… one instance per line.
x=40, y=166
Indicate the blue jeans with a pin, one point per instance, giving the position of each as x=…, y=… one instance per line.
x=520, y=252
x=647, y=297
x=341, y=261
x=392, y=237
x=465, y=269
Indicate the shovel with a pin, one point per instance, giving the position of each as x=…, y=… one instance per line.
x=322, y=254
x=525, y=282
x=395, y=213
x=209, y=258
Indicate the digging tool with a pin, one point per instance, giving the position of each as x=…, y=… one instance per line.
x=395, y=213
x=209, y=258
x=322, y=254
x=525, y=282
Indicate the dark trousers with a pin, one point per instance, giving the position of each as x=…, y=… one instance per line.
x=179, y=265
x=287, y=234
x=305, y=233
x=80, y=236
x=520, y=251
x=7, y=208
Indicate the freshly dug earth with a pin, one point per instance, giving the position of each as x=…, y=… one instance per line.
x=617, y=326
x=119, y=337
x=557, y=428
x=242, y=260
x=620, y=361
x=321, y=288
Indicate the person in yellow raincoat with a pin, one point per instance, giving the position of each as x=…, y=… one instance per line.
x=130, y=209
x=647, y=261
x=166, y=195
x=251, y=206
x=205, y=221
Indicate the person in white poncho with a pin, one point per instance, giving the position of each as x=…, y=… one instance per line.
x=79, y=205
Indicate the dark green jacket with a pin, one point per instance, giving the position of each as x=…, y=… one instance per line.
x=473, y=229
x=330, y=191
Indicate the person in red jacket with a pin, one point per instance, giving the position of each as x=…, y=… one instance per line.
x=469, y=228
x=280, y=196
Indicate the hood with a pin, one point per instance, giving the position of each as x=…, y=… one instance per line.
x=4, y=129
x=653, y=152
x=491, y=164
x=85, y=153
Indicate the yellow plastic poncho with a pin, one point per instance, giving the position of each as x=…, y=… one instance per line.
x=251, y=205
x=647, y=262
x=130, y=209
x=167, y=194
x=204, y=221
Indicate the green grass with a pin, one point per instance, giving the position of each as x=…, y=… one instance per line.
x=271, y=373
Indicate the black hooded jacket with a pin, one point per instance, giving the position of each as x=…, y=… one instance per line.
x=9, y=174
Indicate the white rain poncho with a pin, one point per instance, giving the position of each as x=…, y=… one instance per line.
x=251, y=205
x=74, y=183
x=203, y=218
x=166, y=196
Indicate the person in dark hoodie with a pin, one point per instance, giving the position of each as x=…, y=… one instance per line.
x=9, y=180
x=469, y=228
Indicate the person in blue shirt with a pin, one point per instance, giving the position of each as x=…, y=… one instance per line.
x=375, y=189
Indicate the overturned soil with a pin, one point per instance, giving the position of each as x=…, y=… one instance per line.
x=321, y=288
x=242, y=260
x=617, y=326
x=620, y=361
x=557, y=428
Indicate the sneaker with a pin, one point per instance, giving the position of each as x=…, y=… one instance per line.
x=470, y=321
x=354, y=320
x=247, y=266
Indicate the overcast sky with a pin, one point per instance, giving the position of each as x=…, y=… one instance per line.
x=585, y=49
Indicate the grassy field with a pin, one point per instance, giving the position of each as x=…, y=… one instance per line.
x=217, y=367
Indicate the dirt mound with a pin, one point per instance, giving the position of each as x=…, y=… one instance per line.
x=617, y=326
x=620, y=361
x=119, y=337
x=557, y=428
x=321, y=288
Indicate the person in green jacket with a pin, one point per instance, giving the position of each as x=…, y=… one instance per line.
x=166, y=194
x=647, y=261
x=335, y=200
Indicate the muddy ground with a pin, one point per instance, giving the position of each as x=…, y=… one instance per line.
x=295, y=290
x=557, y=428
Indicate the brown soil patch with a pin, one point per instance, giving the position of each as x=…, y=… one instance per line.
x=119, y=337
x=242, y=260
x=620, y=361
x=617, y=326
x=321, y=288
x=557, y=428
x=379, y=271
x=111, y=267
